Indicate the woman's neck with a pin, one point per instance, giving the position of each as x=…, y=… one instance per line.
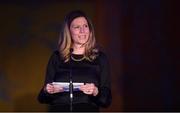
x=78, y=49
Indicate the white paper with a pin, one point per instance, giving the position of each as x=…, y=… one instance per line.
x=65, y=85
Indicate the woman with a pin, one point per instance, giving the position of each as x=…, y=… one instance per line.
x=79, y=58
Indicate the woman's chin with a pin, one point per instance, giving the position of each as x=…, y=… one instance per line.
x=82, y=42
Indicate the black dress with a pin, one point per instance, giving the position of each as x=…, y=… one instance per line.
x=83, y=71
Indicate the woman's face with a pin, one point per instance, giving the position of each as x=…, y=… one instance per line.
x=79, y=30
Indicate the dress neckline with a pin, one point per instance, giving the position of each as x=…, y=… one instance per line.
x=77, y=57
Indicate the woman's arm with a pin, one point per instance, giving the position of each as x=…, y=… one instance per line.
x=104, y=96
x=44, y=96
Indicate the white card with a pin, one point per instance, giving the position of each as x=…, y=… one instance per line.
x=65, y=85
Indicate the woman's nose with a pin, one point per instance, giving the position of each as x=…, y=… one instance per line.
x=82, y=30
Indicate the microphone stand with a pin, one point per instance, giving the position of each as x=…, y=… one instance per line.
x=71, y=82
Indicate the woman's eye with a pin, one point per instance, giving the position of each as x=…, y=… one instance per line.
x=76, y=27
x=86, y=25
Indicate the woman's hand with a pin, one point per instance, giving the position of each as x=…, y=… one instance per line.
x=90, y=89
x=52, y=88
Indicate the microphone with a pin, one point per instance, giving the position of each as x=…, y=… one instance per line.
x=70, y=81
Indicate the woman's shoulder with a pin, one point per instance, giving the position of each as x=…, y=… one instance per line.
x=102, y=56
x=55, y=54
x=55, y=57
x=101, y=51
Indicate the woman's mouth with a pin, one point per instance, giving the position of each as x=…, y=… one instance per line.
x=82, y=36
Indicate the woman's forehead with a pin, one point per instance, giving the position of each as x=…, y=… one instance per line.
x=79, y=20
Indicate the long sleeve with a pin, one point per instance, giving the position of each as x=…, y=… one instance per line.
x=43, y=96
x=104, y=97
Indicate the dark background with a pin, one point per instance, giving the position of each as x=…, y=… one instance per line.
x=140, y=37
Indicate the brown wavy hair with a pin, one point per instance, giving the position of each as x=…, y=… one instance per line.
x=65, y=39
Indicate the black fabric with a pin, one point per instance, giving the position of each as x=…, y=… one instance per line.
x=96, y=72
x=82, y=107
